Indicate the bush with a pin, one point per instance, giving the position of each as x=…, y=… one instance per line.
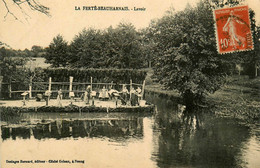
x=98, y=75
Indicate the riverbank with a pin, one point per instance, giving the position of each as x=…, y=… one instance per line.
x=154, y=87
x=238, y=98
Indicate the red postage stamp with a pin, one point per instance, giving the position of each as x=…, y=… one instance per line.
x=233, y=31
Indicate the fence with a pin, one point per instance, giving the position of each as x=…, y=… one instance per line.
x=77, y=87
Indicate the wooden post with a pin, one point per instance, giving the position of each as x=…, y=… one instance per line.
x=143, y=90
x=71, y=95
x=91, y=84
x=24, y=100
x=49, y=93
x=49, y=84
x=10, y=90
x=130, y=89
x=71, y=80
x=93, y=101
x=31, y=132
x=111, y=86
x=149, y=63
x=30, y=88
x=10, y=131
x=49, y=127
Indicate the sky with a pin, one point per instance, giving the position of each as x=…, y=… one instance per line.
x=39, y=29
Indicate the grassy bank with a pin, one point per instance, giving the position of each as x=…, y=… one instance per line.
x=239, y=97
x=153, y=86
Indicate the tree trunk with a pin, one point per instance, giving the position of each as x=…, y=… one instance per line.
x=188, y=98
x=256, y=69
x=149, y=64
x=1, y=80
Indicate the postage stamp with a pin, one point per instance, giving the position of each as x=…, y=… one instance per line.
x=233, y=31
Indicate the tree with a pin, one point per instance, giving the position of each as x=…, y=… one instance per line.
x=86, y=49
x=12, y=67
x=2, y=44
x=23, y=6
x=252, y=60
x=123, y=47
x=57, y=52
x=249, y=59
x=37, y=51
x=187, y=57
x=118, y=47
x=148, y=46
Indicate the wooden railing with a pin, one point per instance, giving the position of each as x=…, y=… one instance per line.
x=50, y=85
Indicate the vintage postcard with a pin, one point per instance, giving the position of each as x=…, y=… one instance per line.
x=129, y=83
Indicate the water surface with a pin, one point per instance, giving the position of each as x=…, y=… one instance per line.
x=167, y=138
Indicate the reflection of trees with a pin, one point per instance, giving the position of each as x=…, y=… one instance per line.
x=114, y=128
x=198, y=139
x=15, y=132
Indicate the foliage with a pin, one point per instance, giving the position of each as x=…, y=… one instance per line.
x=252, y=60
x=14, y=70
x=223, y=3
x=11, y=66
x=37, y=51
x=123, y=47
x=12, y=6
x=249, y=59
x=186, y=47
x=12, y=111
x=118, y=47
x=148, y=46
x=187, y=59
x=57, y=52
x=86, y=49
x=98, y=75
x=240, y=98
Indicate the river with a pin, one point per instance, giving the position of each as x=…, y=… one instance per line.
x=167, y=138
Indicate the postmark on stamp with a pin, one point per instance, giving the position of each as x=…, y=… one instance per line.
x=233, y=31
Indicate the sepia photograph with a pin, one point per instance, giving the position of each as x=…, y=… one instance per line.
x=130, y=83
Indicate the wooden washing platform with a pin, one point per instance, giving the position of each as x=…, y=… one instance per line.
x=17, y=106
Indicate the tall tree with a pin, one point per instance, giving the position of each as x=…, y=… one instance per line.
x=251, y=62
x=118, y=47
x=57, y=52
x=86, y=49
x=187, y=57
x=127, y=46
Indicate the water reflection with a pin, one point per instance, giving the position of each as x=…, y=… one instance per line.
x=62, y=128
x=168, y=138
x=101, y=140
x=197, y=139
